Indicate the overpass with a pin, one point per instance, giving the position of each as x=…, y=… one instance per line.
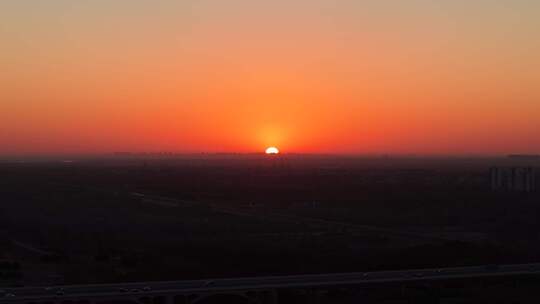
x=402, y=284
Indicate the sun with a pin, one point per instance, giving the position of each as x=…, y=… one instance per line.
x=272, y=150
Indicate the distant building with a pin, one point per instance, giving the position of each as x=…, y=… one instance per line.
x=121, y=153
x=524, y=156
x=513, y=179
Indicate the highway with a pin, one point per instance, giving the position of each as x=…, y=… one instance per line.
x=292, y=281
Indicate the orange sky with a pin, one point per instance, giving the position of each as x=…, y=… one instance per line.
x=426, y=77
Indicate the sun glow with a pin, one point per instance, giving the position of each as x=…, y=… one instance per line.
x=272, y=150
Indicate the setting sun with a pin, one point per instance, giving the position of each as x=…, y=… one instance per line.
x=272, y=150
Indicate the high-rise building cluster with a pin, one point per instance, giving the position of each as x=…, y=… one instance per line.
x=514, y=179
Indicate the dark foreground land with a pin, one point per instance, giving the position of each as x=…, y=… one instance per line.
x=143, y=218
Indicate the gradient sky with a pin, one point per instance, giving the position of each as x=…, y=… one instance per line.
x=338, y=76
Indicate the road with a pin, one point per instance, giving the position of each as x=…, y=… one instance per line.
x=155, y=288
x=289, y=218
x=24, y=245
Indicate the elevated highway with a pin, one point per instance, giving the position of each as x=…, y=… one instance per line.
x=192, y=290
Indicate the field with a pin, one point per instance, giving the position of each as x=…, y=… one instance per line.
x=148, y=217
